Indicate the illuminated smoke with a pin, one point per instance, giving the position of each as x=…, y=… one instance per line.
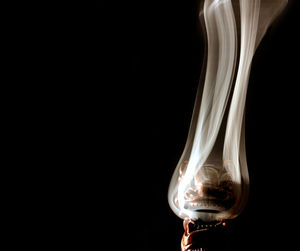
x=211, y=179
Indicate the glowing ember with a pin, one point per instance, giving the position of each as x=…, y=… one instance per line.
x=196, y=234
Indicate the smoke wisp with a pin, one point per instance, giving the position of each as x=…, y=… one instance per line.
x=211, y=179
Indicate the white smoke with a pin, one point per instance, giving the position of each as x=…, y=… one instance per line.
x=211, y=179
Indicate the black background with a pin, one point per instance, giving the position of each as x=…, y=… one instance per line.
x=152, y=61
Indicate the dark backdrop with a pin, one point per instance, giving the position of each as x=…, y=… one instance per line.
x=154, y=57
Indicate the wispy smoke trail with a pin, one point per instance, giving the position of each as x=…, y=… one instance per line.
x=211, y=179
